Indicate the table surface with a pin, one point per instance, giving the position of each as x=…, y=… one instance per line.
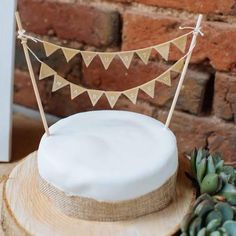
x=5, y=169
x=26, y=134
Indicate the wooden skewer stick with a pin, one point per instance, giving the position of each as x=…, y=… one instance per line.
x=32, y=76
x=182, y=77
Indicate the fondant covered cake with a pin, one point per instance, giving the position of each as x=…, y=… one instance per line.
x=108, y=156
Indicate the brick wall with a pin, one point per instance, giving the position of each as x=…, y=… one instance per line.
x=206, y=110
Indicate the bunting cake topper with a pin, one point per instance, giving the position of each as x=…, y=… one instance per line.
x=106, y=58
x=126, y=56
x=112, y=96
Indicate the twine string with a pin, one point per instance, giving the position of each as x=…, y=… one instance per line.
x=35, y=56
x=194, y=30
x=23, y=36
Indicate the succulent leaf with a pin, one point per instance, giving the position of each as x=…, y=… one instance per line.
x=229, y=192
x=220, y=185
x=213, y=225
x=201, y=170
x=202, y=232
x=232, y=179
x=209, y=184
x=212, y=216
x=224, y=177
x=223, y=231
x=219, y=165
x=230, y=227
x=216, y=158
x=228, y=170
x=205, y=152
x=195, y=226
x=210, y=165
x=200, y=156
x=204, y=207
x=226, y=210
x=234, y=209
x=186, y=222
x=202, y=197
x=215, y=233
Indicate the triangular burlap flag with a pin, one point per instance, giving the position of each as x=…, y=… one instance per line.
x=178, y=66
x=45, y=71
x=106, y=59
x=69, y=53
x=50, y=48
x=126, y=58
x=144, y=54
x=94, y=95
x=112, y=97
x=88, y=57
x=149, y=88
x=76, y=90
x=132, y=94
x=58, y=83
x=163, y=50
x=165, y=78
x=180, y=43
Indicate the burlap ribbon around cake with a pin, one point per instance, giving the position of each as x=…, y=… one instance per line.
x=90, y=209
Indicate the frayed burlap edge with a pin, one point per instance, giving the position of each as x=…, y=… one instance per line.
x=90, y=209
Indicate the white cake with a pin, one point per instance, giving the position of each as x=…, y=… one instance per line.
x=108, y=155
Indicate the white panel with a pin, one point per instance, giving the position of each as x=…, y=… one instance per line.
x=7, y=45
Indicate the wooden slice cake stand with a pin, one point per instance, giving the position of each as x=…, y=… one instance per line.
x=26, y=211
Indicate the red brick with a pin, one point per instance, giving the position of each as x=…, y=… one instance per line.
x=23, y=90
x=117, y=77
x=192, y=131
x=200, y=6
x=225, y=96
x=142, y=30
x=140, y=107
x=72, y=21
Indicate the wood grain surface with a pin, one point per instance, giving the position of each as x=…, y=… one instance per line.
x=27, y=211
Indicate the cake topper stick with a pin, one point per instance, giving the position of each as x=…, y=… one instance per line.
x=181, y=80
x=32, y=76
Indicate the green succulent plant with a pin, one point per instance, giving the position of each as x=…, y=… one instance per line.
x=210, y=216
x=212, y=175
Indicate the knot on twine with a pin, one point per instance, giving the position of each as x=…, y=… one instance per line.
x=195, y=30
x=23, y=36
